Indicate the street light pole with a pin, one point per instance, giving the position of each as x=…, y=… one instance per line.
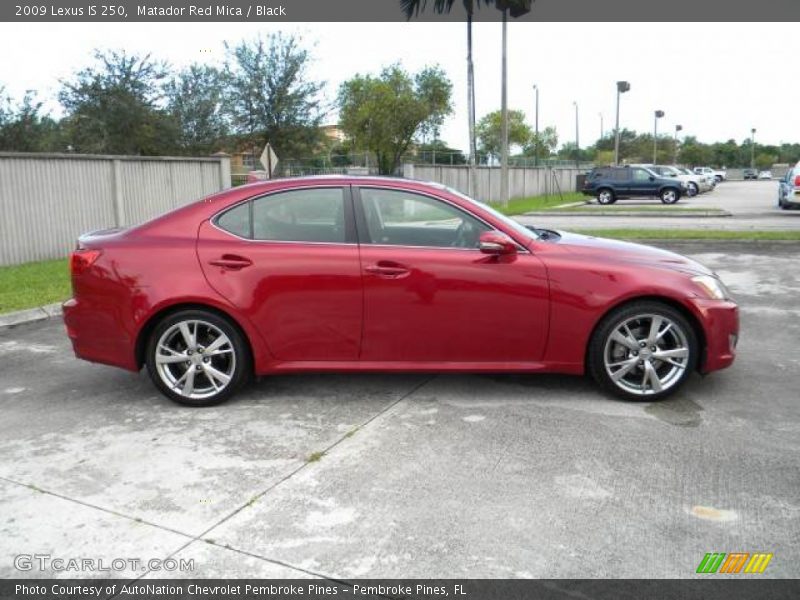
x=536, y=124
x=504, y=109
x=753, y=148
x=601, y=125
x=677, y=129
x=577, y=139
x=622, y=87
x=658, y=115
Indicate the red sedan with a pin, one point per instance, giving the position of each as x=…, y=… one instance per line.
x=378, y=274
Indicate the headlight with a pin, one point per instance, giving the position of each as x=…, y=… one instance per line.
x=712, y=286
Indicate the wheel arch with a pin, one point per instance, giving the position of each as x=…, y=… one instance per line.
x=154, y=319
x=697, y=327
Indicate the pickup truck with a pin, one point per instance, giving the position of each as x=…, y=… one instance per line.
x=718, y=174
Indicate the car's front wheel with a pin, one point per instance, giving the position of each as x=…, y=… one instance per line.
x=197, y=358
x=669, y=196
x=693, y=189
x=643, y=351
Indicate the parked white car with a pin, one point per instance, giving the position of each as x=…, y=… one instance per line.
x=708, y=180
x=719, y=174
x=765, y=175
x=695, y=184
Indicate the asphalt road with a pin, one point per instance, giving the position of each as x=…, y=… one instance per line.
x=455, y=476
x=752, y=204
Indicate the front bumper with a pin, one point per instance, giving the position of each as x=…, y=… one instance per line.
x=720, y=322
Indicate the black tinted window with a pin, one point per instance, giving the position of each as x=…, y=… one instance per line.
x=307, y=215
x=622, y=174
x=236, y=220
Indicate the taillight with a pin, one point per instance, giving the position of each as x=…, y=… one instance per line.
x=81, y=260
x=797, y=181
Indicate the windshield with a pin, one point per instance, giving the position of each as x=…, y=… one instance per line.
x=513, y=224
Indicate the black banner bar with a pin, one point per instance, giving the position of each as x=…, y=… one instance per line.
x=277, y=11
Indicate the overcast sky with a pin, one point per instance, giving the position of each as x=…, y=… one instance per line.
x=718, y=80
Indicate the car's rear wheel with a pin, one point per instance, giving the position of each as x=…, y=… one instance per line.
x=643, y=351
x=606, y=196
x=197, y=358
x=693, y=189
x=669, y=196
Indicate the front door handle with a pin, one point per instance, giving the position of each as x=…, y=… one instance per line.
x=231, y=262
x=388, y=268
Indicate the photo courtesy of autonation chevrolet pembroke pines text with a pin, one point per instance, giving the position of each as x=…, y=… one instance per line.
x=399, y=299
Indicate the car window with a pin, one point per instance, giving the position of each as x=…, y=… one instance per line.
x=399, y=218
x=640, y=175
x=305, y=215
x=621, y=174
x=236, y=220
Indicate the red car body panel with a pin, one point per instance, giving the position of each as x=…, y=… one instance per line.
x=336, y=307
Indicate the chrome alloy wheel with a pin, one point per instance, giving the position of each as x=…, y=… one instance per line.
x=646, y=354
x=195, y=359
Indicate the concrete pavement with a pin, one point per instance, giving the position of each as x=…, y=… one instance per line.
x=420, y=476
x=753, y=205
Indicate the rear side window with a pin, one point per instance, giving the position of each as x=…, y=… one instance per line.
x=306, y=215
x=621, y=174
x=236, y=220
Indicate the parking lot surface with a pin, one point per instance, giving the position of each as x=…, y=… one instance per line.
x=752, y=204
x=351, y=476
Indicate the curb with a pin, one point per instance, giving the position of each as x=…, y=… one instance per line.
x=620, y=213
x=30, y=315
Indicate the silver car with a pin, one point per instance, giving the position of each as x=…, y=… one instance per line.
x=789, y=189
x=695, y=184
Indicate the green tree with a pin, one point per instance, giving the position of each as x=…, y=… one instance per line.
x=270, y=96
x=114, y=107
x=489, y=131
x=23, y=127
x=384, y=114
x=693, y=153
x=546, y=140
x=194, y=101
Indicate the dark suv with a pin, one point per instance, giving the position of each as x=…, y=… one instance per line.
x=609, y=184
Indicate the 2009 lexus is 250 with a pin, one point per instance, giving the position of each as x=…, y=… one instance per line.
x=378, y=274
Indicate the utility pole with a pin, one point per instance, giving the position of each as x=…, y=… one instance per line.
x=601, y=125
x=536, y=125
x=622, y=87
x=577, y=139
x=753, y=148
x=658, y=115
x=504, y=110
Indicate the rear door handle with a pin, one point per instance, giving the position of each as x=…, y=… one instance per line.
x=231, y=262
x=387, y=268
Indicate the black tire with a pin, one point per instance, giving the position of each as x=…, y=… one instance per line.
x=601, y=343
x=232, y=360
x=693, y=190
x=606, y=196
x=669, y=195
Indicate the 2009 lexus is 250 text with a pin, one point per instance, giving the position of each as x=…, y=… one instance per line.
x=380, y=274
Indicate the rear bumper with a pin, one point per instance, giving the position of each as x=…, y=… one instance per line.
x=98, y=336
x=720, y=322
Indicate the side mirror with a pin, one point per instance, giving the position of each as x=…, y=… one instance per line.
x=496, y=243
x=652, y=178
